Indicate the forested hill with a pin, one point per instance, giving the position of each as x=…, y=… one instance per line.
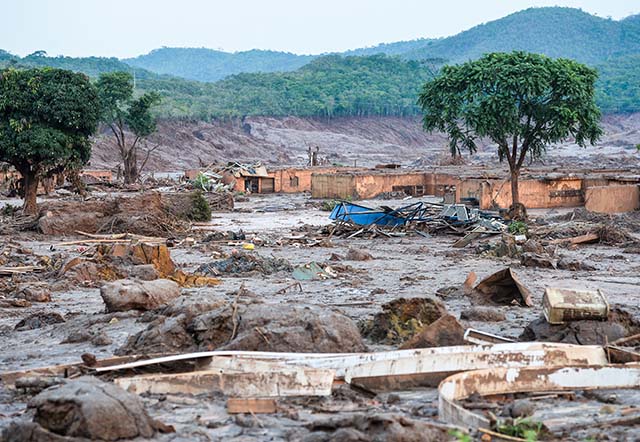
x=209, y=65
x=336, y=85
x=556, y=32
x=328, y=86
x=92, y=66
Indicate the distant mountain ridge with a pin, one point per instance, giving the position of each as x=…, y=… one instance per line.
x=357, y=83
x=553, y=31
x=210, y=65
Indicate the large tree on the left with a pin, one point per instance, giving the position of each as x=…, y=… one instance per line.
x=46, y=119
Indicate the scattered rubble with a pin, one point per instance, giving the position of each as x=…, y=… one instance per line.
x=368, y=327
x=242, y=263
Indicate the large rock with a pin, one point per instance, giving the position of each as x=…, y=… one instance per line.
x=254, y=327
x=577, y=332
x=403, y=318
x=125, y=294
x=84, y=408
x=374, y=427
x=445, y=331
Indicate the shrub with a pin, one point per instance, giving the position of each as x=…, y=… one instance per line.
x=200, y=209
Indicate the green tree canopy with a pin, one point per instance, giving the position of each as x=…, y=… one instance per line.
x=122, y=112
x=46, y=118
x=521, y=101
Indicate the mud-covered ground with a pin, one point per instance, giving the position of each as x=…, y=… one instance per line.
x=279, y=225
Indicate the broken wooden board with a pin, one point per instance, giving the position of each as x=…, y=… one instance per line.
x=497, y=381
x=9, y=271
x=621, y=355
x=467, y=239
x=480, y=337
x=65, y=370
x=581, y=239
x=251, y=405
x=276, y=382
x=425, y=360
x=433, y=364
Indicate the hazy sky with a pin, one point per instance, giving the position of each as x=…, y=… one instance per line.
x=125, y=28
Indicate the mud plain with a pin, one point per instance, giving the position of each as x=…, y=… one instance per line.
x=402, y=267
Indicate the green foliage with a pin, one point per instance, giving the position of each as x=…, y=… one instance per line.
x=618, y=88
x=200, y=209
x=46, y=118
x=8, y=210
x=524, y=428
x=460, y=435
x=518, y=228
x=521, y=101
x=202, y=182
x=119, y=106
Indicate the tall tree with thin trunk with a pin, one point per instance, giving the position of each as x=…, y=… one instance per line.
x=520, y=101
x=46, y=118
x=124, y=115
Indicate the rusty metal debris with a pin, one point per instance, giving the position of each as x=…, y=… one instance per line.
x=497, y=381
x=563, y=305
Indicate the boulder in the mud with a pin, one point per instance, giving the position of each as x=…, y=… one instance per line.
x=584, y=332
x=254, y=327
x=403, y=318
x=35, y=293
x=445, y=331
x=126, y=294
x=358, y=255
x=92, y=409
x=374, y=427
x=537, y=260
x=39, y=320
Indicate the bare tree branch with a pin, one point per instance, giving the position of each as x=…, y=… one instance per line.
x=149, y=151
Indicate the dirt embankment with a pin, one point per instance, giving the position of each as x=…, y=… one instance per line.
x=366, y=141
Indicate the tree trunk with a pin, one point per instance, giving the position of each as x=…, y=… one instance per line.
x=515, y=194
x=30, y=180
x=130, y=168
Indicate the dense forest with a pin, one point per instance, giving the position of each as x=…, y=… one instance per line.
x=361, y=83
x=328, y=86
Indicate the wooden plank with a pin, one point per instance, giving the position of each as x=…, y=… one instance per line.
x=581, y=239
x=466, y=240
x=274, y=382
x=251, y=405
